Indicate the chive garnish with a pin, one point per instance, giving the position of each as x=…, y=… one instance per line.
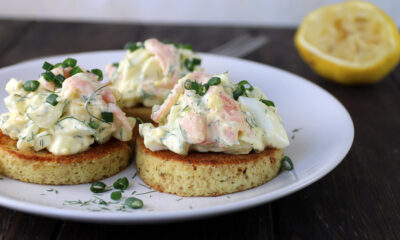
x=203, y=89
x=196, y=61
x=31, y=85
x=98, y=72
x=214, y=81
x=268, y=102
x=187, y=46
x=133, y=46
x=52, y=99
x=116, y=64
x=107, y=117
x=243, y=82
x=190, y=85
x=134, y=203
x=121, y=183
x=58, y=80
x=70, y=62
x=98, y=187
x=48, y=76
x=47, y=66
x=93, y=124
x=75, y=70
x=179, y=45
x=287, y=163
x=241, y=89
x=190, y=64
x=116, y=195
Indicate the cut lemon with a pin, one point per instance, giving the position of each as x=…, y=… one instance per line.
x=351, y=43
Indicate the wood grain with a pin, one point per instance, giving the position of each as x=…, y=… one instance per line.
x=251, y=224
x=358, y=200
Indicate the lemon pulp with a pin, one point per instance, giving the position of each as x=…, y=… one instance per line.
x=351, y=43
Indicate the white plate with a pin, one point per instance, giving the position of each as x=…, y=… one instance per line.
x=325, y=136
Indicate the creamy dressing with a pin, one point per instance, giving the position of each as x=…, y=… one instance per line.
x=72, y=124
x=214, y=122
x=146, y=75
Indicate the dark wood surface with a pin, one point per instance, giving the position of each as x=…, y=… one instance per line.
x=357, y=200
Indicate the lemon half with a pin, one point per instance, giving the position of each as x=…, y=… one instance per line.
x=351, y=43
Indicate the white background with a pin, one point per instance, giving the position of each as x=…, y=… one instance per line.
x=193, y=12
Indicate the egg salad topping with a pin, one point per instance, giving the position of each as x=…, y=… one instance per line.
x=65, y=111
x=149, y=70
x=210, y=113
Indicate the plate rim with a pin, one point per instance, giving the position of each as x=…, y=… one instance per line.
x=179, y=215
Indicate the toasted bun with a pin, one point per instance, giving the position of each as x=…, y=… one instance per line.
x=42, y=167
x=141, y=112
x=205, y=174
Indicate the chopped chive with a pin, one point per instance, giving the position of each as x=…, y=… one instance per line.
x=191, y=64
x=58, y=80
x=70, y=62
x=133, y=46
x=134, y=203
x=107, y=117
x=48, y=76
x=57, y=83
x=188, y=65
x=47, y=66
x=202, y=90
x=196, y=61
x=188, y=84
x=187, y=46
x=268, y=102
x=116, y=195
x=64, y=65
x=93, y=124
x=214, y=81
x=75, y=70
x=191, y=85
x=98, y=187
x=116, y=64
x=243, y=82
x=98, y=72
x=57, y=65
x=31, y=85
x=239, y=91
x=52, y=99
x=121, y=183
x=287, y=163
x=179, y=45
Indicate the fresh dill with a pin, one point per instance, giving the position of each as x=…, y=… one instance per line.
x=144, y=186
x=146, y=192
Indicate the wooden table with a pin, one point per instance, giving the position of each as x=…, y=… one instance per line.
x=357, y=200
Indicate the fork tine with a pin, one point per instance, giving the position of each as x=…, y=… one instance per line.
x=249, y=47
x=232, y=43
x=241, y=45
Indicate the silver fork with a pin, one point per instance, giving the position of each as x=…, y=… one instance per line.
x=241, y=46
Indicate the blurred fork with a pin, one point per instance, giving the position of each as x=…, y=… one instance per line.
x=241, y=46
